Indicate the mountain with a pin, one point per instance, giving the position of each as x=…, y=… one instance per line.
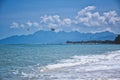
x=50, y=37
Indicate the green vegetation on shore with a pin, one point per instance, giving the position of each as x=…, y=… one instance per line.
x=116, y=41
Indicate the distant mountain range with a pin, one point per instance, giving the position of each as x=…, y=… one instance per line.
x=50, y=37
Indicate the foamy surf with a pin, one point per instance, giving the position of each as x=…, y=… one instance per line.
x=106, y=59
x=89, y=67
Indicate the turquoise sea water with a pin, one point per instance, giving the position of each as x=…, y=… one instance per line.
x=59, y=62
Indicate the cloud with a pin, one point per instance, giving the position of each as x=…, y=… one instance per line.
x=86, y=20
x=67, y=21
x=54, y=21
x=52, y=25
x=14, y=25
x=36, y=24
x=86, y=9
x=17, y=25
x=89, y=18
x=29, y=23
x=104, y=21
x=112, y=17
x=22, y=25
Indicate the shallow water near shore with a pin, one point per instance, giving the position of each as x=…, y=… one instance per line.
x=60, y=62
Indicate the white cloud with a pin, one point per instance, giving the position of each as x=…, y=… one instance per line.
x=108, y=29
x=44, y=18
x=55, y=19
x=86, y=9
x=36, y=24
x=91, y=18
x=14, y=25
x=50, y=19
x=22, y=25
x=56, y=22
x=102, y=30
x=29, y=23
x=87, y=19
x=52, y=25
x=67, y=21
x=96, y=19
x=112, y=17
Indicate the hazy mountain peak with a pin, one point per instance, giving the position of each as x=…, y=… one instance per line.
x=50, y=37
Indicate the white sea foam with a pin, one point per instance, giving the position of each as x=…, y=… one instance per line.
x=89, y=67
x=105, y=61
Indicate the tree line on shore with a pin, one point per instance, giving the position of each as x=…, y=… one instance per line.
x=116, y=41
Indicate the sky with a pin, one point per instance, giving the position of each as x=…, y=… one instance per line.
x=24, y=17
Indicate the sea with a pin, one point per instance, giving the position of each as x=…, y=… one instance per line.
x=59, y=62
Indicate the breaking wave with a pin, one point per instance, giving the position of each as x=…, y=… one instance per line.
x=93, y=67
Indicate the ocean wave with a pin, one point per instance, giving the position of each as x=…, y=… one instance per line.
x=108, y=59
x=91, y=67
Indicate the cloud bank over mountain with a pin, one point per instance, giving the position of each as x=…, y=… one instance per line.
x=87, y=20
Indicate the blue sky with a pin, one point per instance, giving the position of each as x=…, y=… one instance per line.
x=23, y=17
